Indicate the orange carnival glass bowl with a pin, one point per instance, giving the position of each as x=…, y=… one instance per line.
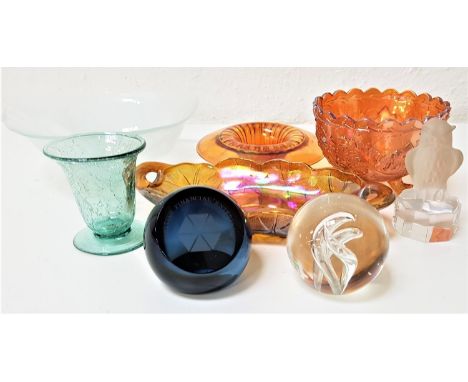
x=260, y=142
x=368, y=133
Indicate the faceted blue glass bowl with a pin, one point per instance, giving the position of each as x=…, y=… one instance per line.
x=197, y=240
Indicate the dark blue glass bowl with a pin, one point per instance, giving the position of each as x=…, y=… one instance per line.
x=197, y=240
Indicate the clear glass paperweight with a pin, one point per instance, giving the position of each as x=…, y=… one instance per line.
x=100, y=168
x=338, y=243
x=426, y=212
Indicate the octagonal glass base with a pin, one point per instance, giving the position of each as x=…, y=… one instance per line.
x=426, y=220
x=87, y=241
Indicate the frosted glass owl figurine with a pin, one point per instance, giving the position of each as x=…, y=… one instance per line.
x=425, y=212
x=433, y=161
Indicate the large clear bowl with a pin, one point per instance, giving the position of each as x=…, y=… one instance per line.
x=158, y=116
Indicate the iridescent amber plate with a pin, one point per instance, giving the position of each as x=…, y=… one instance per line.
x=268, y=193
x=368, y=133
x=260, y=142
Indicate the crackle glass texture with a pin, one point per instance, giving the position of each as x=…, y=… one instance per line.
x=101, y=171
x=105, y=193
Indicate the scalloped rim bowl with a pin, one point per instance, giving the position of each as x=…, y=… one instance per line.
x=386, y=125
x=370, y=124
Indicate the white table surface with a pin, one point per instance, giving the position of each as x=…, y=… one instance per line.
x=43, y=272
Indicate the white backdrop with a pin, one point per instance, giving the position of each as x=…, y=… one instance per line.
x=246, y=94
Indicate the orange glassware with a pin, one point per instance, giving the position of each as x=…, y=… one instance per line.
x=268, y=193
x=368, y=133
x=260, y=142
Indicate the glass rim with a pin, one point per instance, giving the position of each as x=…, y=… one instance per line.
x=369, y=123
x=139, y=148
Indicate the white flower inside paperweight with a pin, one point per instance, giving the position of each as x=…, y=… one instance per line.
x=338, y=243
x=426, y=212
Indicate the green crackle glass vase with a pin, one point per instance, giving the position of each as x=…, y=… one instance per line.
x=100, y=168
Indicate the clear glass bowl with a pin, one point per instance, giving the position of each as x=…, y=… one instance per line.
x=368, y=133
x=43, y=118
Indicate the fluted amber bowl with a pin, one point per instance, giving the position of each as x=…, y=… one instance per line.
x=260, y=142
x=368, y=133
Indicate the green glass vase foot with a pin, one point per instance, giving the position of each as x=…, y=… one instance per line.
x=88, y=242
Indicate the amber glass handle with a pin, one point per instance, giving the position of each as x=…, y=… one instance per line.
x=145, y=168
x=377, y=194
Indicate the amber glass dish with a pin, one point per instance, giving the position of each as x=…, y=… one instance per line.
x=260, y=142
x=268, y=193
x=368, y=133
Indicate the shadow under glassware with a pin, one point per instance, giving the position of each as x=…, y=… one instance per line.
x=100, y=168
